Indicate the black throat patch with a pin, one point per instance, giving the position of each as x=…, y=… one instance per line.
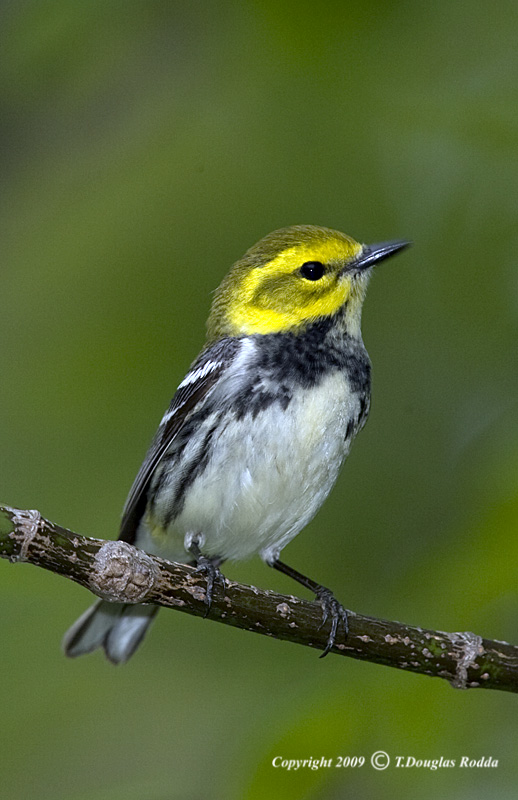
x=287, y=361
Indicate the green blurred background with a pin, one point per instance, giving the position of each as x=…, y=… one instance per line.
x=144, y=147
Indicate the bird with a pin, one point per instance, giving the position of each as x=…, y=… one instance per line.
x=256, y=433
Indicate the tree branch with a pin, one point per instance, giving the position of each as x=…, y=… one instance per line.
x=120, y=572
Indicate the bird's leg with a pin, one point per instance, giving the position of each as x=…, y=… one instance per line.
x=208, y=566
x=330, y=605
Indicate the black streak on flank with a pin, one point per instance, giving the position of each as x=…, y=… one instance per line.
x=193, y=469
x=254, y=399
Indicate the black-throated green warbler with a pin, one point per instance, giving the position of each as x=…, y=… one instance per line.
x=256, y=433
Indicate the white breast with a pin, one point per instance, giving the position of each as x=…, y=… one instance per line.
x=263, y=487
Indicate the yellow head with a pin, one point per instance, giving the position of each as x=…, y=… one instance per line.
x=293, y=277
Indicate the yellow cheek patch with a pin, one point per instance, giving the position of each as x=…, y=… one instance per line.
x=249, y=319
x=252, y=311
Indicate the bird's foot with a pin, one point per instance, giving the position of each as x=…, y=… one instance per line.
x=331, y=608
x=212, y=574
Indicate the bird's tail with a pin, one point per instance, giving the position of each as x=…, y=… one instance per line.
x=117, y=627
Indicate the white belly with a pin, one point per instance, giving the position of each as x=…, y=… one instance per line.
x=261, y=489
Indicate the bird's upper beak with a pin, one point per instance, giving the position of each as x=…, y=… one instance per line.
x=372, y=253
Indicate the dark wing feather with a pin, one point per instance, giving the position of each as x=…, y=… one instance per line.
x=189, y=394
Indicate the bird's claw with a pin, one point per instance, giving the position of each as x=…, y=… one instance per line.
x=331, y=608
x=212, y=574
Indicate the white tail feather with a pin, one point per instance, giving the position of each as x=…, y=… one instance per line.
x=117, y=627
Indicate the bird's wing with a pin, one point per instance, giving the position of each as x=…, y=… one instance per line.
x=198, y=382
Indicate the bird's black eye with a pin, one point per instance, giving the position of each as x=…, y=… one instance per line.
x=312, y=270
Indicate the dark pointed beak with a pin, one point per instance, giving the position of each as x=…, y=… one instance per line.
x=373, y=253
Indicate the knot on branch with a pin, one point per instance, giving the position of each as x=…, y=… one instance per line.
x=123, y=573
